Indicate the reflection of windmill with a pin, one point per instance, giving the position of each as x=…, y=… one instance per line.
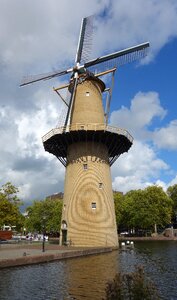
x=87, y=146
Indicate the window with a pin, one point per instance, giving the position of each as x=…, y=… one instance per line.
x=87, y=94
x=93, y=205
x=100, y=185
x=85, y=166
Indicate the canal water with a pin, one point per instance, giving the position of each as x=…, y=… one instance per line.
x=86, y=278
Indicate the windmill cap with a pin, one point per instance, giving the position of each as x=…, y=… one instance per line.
x=98, y=81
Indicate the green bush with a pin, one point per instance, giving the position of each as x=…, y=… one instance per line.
x=131, y=286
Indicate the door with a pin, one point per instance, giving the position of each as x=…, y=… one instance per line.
x=64, y=237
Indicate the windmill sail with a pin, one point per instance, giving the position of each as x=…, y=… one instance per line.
x=34, y=78
x=95, y=65
x=83, y=54
x=118, y=58
x=83, y=50
x=85, y=40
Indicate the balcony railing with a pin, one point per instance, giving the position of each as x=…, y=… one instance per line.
x=87, y=127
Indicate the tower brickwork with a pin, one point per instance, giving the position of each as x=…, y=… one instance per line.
x=88, y=208
x=88, y=106
x=87, y=148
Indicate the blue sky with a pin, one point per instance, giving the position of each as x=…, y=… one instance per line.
x=158, y=76
x=37, y=37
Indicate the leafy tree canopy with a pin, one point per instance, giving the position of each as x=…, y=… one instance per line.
x=44, y=214
x=118, y=202
x=9, y=207
x=10, y=192
x=172, y=193
x=143, y=209
x=161, y=205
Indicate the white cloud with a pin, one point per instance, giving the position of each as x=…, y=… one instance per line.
x=33, y=125
x=165, y=185
x=141, y=167
x=137, y=21
x=37, y=36
x=23, y=159
x=166, y=137
x=162, y=184
x=144, y=108
x=39, y=181
x=137, y=168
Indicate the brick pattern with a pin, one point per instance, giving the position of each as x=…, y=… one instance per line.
x=88, y=206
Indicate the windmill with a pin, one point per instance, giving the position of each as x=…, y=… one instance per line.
x=86, y=145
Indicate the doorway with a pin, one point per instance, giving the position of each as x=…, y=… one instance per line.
x=64, y=232
x=64, y=237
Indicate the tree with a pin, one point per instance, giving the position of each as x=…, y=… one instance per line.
x=9, y=207
x=160, y=205
x=46, y=213
x=10, y=192
x=118, y=203
x=172, y=193
x=146, y=209
x=135, y=211
x=9, y=213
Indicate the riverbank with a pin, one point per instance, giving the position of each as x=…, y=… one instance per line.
x=148, y=238
x=12, y=255
x=18, y=255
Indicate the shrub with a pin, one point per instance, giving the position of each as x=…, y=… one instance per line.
x=131, y=286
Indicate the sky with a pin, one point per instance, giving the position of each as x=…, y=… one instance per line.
x=41, y=36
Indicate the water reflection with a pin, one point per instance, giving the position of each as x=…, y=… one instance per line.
x=71, y=279
x=38, y=282
x=86, y=278
x=160, y=262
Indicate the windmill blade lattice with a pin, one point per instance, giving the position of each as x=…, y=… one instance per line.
x=45, y=76
x=118, y=58
x=82, y=53
x=85, y=40
x=72, y=98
